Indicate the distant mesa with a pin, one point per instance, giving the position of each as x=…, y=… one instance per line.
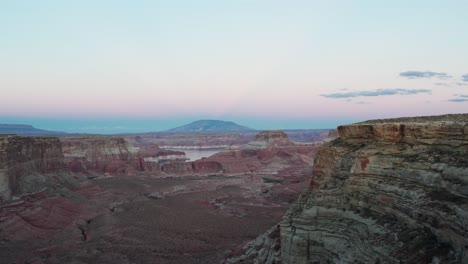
x=215, y=126
x=269, y=139
x=26, y=130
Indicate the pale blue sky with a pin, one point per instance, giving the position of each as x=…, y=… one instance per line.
x=115, y=66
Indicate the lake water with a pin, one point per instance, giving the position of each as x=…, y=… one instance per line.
x=195, y=154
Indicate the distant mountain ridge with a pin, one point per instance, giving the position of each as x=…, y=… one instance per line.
x=211, y=126
x=26, y=130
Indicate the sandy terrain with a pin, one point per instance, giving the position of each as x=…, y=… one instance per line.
x=148, y=220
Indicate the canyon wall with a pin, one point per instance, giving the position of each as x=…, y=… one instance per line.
x=385, y=191
x=21, y=158
x=100, y=154
x=112, y=155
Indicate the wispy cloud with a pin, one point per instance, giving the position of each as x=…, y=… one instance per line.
x=458, y=100
x=378, y=92
x=451, y=84
x=465, y=77
x=461, y=98
x=424, y=74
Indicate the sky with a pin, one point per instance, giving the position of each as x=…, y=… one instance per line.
x=114, y=66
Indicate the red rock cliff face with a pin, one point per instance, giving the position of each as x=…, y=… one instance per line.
x=21, y=157
x=391, y=191
x=100, y=154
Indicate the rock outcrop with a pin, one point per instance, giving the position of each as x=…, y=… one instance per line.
x=22, y=158
x=265, y=249
x=385, y=191
x=269, y=139
x=332, y=134
x=101, y=154
x=152, y=153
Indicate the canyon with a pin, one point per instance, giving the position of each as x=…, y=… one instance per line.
x=103, y=199
x=379, y=191
x=271, y=153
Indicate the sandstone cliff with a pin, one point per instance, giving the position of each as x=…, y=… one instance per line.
x=392, y=191
x=100, y=154
x=269, y=139
x=21, y=158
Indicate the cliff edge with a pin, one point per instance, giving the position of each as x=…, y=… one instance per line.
x=385, y=191
x=100, y=154
x=22, y=158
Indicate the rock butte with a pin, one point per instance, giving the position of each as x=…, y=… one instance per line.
x=269, y=139
x=100, y=154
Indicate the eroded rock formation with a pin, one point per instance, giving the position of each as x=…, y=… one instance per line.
x=101, y=154
x=270, y=154
x=22, y=159
x=83, y=217
x=152, y=153
x=217, y=140
x=269, y=139
x=391, y=191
